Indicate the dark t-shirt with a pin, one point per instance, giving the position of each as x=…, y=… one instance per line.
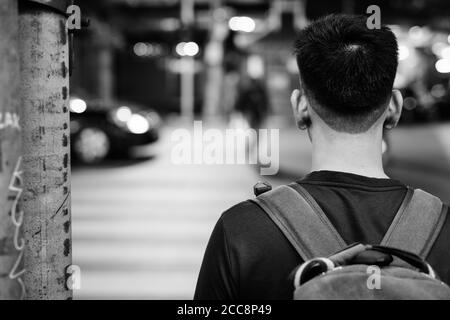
x=248, y=257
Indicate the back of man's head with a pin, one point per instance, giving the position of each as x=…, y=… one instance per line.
x=347, y=70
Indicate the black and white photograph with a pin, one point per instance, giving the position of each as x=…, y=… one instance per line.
x=219, y=157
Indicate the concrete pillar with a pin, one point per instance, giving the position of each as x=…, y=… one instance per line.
x=11, y=245
x=44, y=60
x=187, y=104
x=214, y=55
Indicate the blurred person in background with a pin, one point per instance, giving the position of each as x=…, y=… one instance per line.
x=252, y=100
x=345, y=103
x=245, y=94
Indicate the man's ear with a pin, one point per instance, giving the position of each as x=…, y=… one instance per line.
x=394, y=110
x=300, y=109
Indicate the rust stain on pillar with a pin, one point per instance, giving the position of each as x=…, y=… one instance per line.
x=10, y=288
x=46, y=197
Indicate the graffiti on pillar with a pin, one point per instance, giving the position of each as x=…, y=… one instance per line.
x=9, y=120
x=15, y=187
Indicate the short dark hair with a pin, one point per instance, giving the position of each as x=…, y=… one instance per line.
x=347, y=70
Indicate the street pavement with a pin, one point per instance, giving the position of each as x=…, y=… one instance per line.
x=140, y=227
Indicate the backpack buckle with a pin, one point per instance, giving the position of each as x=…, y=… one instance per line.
x=261, y=187
x=311, y=269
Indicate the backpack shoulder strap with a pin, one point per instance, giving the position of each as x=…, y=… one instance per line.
x=301, y=220
x=417, y=223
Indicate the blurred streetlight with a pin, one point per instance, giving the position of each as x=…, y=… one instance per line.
x=410, y=103
x=77, y=105
x=243, y=24
x=443, y=66
x=137, y=124
x=140, y=49
x=123, y=114
x=187, y=49
x=180, y=48
x=438, y=91
x=191, y=49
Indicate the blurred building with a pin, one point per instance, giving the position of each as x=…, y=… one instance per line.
x=133, y=51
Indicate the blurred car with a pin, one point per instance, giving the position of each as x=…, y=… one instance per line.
x=100, y=130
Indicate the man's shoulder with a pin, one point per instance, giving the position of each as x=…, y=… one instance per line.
x=240, y=213
x=246, y=214
x=246, y=221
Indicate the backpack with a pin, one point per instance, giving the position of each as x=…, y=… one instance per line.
x=394, y=269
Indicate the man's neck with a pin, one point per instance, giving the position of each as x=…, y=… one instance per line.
x=357, y=154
